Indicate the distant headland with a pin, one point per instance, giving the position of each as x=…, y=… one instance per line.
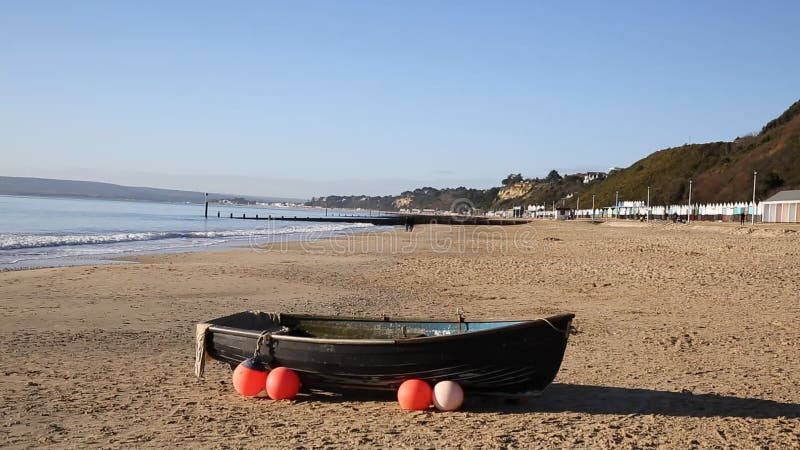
x=96, y=190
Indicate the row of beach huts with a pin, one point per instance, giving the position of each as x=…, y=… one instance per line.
x=783, y=207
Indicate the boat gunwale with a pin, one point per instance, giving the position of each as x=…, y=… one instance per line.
x=413, y=340
x=385, y=319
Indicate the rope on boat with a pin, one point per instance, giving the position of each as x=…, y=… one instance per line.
x=264, y=336
x=200, y=349
x=554, y=327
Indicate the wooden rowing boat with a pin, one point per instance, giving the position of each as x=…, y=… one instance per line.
x=333, y=353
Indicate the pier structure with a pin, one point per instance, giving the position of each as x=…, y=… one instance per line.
x=398, y=219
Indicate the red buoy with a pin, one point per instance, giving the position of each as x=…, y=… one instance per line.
x=283, y=384
x=249, y=377
x=414, y=395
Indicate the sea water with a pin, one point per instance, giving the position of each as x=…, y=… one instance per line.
x=51, y=231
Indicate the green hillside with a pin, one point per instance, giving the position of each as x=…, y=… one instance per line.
x=721, y=171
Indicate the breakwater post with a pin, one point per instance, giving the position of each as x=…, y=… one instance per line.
x=206, y=205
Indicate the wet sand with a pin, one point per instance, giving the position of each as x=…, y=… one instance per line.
x=685, y=336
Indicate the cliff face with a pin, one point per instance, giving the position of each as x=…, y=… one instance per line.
x=538, y=192
x=403, y=202
x=514, y=191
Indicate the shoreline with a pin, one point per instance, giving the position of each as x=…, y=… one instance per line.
x=130, y=257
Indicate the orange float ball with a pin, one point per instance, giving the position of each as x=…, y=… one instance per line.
x=414, y=395
x=249, y=377
x=283, y=384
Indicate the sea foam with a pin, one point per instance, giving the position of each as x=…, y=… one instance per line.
x=29, y=241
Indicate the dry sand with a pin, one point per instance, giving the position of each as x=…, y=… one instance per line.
x=686, y=336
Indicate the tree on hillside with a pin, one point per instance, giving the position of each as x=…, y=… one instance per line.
x=553, y=176
x=511, y=179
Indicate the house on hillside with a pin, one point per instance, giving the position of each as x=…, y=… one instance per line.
x=783, y=207
x=593, y=176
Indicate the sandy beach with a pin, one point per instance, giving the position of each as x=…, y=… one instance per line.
x=686, y=336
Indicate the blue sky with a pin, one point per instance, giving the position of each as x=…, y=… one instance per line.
x=312, y=98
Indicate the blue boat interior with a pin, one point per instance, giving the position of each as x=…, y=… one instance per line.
x=348, y=329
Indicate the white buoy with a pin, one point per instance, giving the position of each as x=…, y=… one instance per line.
x=447, y=396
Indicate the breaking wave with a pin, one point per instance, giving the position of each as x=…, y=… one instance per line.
x=19, y=241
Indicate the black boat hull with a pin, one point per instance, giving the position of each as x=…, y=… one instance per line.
x=517, y=359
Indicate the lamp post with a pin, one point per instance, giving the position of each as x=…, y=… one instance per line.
x=689, y=212
x=753, y=215
x=648, y=203
x=616, y=202
x=592, y=208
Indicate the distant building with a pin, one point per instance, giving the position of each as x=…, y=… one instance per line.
x=592, y=176
x=783, y=207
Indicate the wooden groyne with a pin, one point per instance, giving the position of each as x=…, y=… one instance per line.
x=388, y=220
